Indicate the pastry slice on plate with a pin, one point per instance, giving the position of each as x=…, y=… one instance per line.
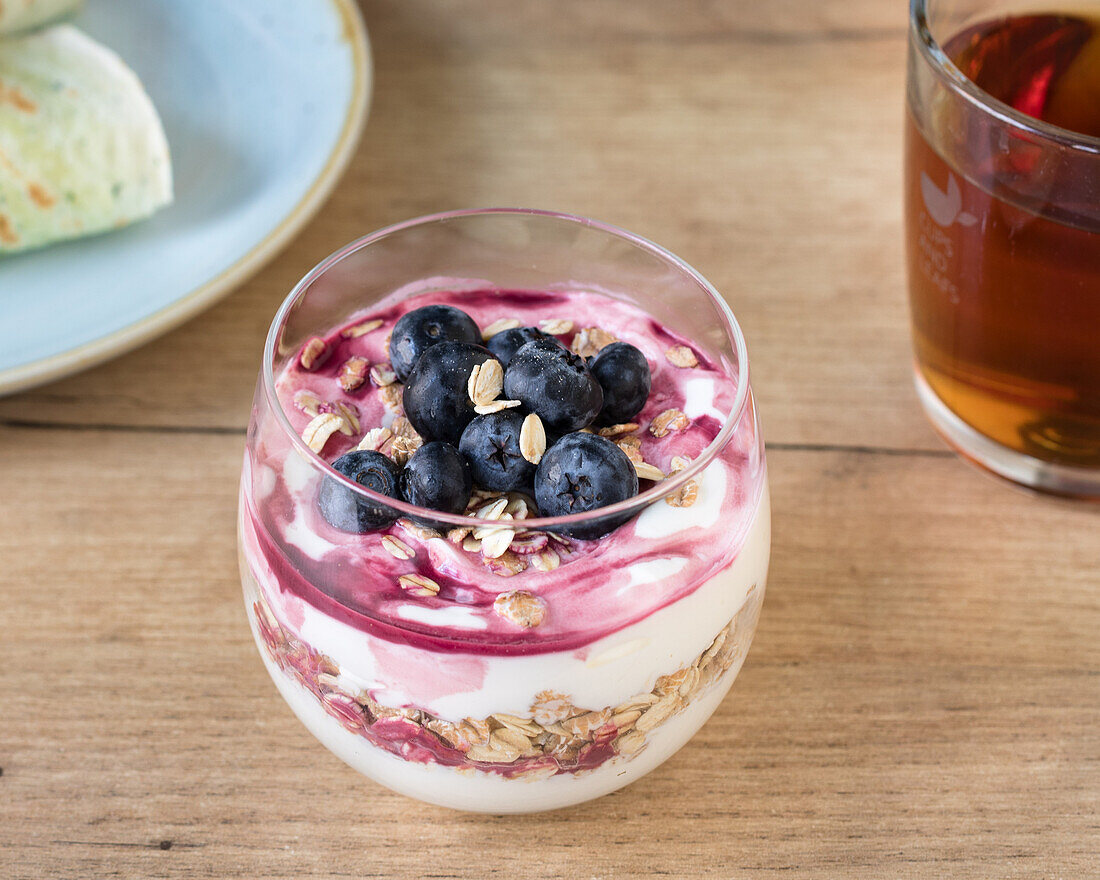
x=82, y=149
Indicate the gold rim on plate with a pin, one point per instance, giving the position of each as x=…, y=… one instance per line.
x=205, y=295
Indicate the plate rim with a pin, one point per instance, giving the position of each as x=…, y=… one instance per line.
x=190, y=304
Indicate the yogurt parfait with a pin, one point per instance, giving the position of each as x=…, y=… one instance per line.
x=504, y=518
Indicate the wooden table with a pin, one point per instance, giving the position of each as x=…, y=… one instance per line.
x=923, y=696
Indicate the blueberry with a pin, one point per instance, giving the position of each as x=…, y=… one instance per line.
x=583, y=472
x=422, y=328
x=507, y=342
x=435, y=397
x=437, y=477
x=623, y=374
x=350, y=512
x=491, y=446
x=555, y=384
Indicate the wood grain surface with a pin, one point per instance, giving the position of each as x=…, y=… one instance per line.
x=923, y=695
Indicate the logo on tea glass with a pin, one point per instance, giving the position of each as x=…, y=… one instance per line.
x=944, y=207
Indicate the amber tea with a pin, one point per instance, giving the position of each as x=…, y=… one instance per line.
x=1004, y=243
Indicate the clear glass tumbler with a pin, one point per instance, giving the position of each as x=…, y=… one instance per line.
x=1003, y=235
x=562, y=669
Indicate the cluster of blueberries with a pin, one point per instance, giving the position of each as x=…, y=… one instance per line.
x=433, y=350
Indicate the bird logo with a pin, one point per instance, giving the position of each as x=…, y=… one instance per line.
x=944, y=207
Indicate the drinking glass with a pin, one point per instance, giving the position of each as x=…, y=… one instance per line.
x=416, y=691
x=1003, y=238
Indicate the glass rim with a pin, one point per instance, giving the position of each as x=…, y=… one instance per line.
x=545, y=523
x=949, y=74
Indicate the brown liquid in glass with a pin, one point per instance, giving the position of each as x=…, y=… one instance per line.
x=1006, y=296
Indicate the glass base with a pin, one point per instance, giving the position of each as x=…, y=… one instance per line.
x=1033, y=473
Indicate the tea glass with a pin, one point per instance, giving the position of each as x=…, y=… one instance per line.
x=1003, y=242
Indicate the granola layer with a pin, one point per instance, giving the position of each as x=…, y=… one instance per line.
x=554, y=737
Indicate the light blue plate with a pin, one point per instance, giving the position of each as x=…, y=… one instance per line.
x=263, y=102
